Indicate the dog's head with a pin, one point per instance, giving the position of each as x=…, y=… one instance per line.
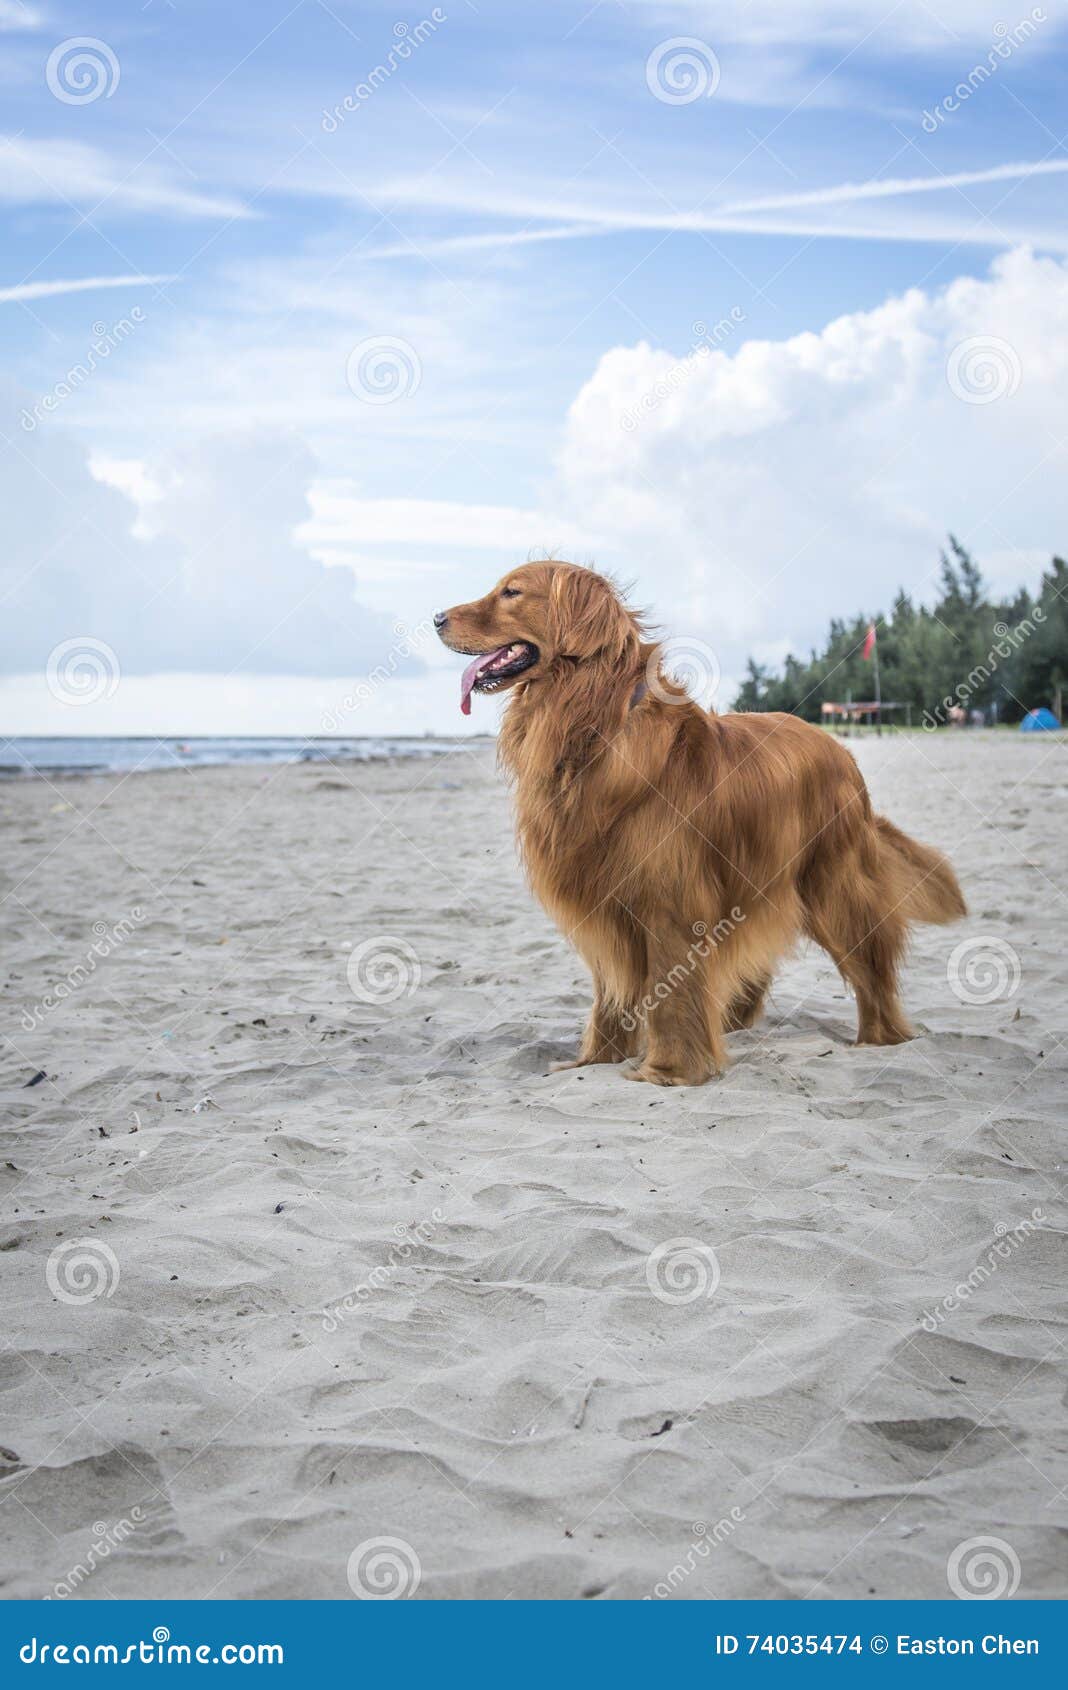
x=535, y=616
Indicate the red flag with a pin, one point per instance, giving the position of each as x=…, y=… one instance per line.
x=869, y=641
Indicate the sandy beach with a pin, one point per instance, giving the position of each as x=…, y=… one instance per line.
x=304, y=1248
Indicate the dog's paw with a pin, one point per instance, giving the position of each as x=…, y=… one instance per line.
x=602, y=1059
x=654, y=1076
x=884, y=1036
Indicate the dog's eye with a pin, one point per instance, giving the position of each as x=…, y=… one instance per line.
x=511, y=592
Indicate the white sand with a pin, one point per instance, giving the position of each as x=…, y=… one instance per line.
x=505, y=1393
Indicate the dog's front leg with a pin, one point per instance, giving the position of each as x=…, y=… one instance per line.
x=611, y=1034
x=685, y=1018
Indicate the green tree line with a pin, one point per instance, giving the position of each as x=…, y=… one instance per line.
x=968, y=650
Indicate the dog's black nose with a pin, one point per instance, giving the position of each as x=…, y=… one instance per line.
x=440, y=619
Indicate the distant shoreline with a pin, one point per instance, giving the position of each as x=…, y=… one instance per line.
x=226, y=739
x=39, y=756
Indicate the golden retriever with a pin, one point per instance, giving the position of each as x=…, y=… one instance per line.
x=683, y=852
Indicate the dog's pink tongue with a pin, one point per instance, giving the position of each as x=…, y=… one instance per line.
x=471, y=673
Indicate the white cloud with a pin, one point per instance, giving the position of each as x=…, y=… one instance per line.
x=879, y=25
x=266, y=346
x=340, y=517
x=183, y=704
x=890, y=187
x=760, y=490
x=83, y=284
x=72, y=174
x=131, y=476
x=14, y=15
x=214, y=583
x=780, y=483
x=615, y=214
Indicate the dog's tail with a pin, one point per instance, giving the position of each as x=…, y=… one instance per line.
x=923, y=884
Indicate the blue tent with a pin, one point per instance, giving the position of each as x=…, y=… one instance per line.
x=1039, y=721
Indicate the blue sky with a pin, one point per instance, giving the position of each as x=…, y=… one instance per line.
x=704, y=339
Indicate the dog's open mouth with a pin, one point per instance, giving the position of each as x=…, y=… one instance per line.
x=492, y=668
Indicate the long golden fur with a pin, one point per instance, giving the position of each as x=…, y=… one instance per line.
x=683, y=853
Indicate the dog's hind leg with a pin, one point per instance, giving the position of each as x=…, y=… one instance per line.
x=866, y=943
x=747, y=1005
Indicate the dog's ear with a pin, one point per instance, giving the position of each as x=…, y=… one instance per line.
x=587, y=617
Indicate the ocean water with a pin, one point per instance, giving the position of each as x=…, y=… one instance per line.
x=27, y=757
